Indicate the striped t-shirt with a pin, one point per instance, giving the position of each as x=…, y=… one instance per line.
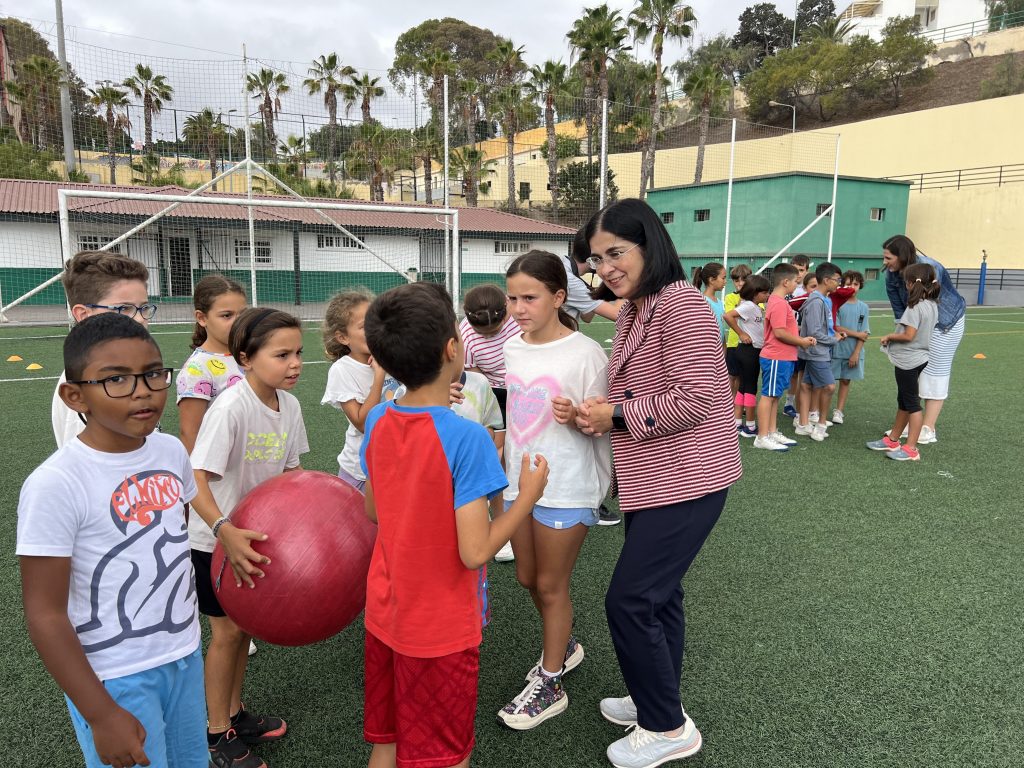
x=485, y=353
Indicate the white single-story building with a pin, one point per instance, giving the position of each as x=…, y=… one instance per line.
x=299, y=257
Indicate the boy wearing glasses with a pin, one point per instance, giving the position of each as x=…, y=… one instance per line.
x=818, y=383
x=97, y=282
x=107, y=582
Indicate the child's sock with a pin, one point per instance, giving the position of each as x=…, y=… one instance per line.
x=551, y=674
x=751, y=424
x=739, y=422
x=789, y=399
x=213, y=738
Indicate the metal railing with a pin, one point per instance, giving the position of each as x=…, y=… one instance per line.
x=972, y=28
x=993, y=175
x=995, y=279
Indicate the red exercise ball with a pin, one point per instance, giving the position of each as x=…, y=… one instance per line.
x=319, y=542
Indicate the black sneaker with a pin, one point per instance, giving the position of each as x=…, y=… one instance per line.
x=606, y=517
x=258, y=729
x=231, y=752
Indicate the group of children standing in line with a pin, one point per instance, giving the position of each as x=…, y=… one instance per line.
x=805, y=331
x=240, y=425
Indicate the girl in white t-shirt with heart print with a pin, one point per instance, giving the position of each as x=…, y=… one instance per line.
x=550, y=369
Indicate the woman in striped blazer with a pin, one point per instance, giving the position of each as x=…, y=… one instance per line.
x=676, y=453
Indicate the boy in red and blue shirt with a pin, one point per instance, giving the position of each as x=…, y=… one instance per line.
x=430, y=475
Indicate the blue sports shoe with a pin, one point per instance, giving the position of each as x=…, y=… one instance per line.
x=790, y=411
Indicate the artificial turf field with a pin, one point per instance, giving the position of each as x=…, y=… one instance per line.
x=847, y=610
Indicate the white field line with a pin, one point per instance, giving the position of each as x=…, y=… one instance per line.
x=54, y=378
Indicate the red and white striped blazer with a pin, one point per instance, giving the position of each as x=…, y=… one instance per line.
x=668, y=372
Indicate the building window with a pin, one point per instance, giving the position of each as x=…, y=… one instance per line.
x=510, y=246
x=264, y=254
x=870, y=274
x=524, y=191
x=668, y=217
x=878, y=214
x=335, y=241
x=822, y=207
x=702, y=214
x=95, y=242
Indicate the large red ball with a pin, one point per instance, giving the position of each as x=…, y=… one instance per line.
x=319, y=544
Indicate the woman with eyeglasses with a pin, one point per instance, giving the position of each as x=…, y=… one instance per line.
x=669, y=413
x=898, y=253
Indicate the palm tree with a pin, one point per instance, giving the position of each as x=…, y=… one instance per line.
x=468, y=165
x=471, y=92
x=708, y=90
x=362, y=89
x=658, y=20
x=36, y=90
x=548, y=82
x=433, y=70
x=425, y=147
x=832, y=29
x=375, y=148
x=508, y=62
x=512, y=111
x=154, y=90
x=327, y=74
x=205, y=129
x=596, y=39
x=294, y=150
x=600, y=38
x=112, y=102
x=267, y=87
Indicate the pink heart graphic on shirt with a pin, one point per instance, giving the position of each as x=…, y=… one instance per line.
x=529, y=406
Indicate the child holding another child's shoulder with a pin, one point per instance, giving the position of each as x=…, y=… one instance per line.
x=108, y=587
x=426, y=591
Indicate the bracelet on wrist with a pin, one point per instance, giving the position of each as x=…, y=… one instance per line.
x=217, y=525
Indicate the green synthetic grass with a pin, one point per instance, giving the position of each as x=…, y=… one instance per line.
x=847, y=610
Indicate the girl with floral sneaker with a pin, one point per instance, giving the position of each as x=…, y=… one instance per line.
x=551, y=368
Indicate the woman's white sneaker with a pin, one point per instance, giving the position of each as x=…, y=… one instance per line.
x=619, y=711
x=646, y=749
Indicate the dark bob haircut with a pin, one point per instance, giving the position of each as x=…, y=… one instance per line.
x=635, y=221
x=94, y=331
x=407, y=329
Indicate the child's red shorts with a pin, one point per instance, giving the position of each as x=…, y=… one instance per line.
x=425, y=707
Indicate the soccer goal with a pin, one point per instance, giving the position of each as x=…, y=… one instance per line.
x=288, y=253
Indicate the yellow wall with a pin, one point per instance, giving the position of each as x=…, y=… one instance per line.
x=955, y=225
x=953, y=229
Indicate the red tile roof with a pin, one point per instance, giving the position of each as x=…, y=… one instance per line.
x=40, y=197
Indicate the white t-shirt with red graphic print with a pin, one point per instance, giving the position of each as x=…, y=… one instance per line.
x=120, y=517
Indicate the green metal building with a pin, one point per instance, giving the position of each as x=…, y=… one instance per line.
x=769, y=211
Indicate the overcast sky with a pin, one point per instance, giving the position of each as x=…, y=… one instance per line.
x=190, y=41
x=363, y=33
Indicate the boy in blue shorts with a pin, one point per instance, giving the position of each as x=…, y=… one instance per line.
x=818, y=382
x=106, y=576
x=778, y=358
x=430, y=475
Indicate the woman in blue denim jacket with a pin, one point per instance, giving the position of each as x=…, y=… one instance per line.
x=898, y=253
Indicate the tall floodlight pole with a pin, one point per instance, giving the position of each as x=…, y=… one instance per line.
x=65, y=96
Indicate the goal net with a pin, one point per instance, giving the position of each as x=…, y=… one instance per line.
x=288, y=253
